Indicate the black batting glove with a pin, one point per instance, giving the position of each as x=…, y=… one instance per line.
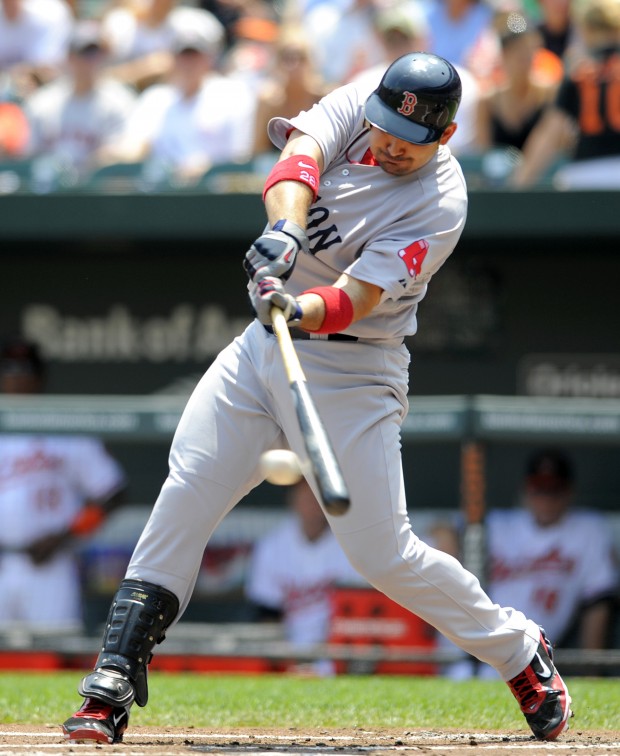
x=269, y=292
x=274, y=253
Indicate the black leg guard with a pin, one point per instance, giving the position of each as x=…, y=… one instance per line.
x=138, y=618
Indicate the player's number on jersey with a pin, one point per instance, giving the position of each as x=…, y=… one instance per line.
x=47, y=499
x=593, y=118
x=547, y=598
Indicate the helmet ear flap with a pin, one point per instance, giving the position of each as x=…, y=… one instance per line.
x=417, y=98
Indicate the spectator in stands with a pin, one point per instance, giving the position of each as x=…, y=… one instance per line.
x=250, y=55
x=75, y=119
x=402, y=29
x=552, y=561
x=34, y=38
x=585, y=113
x=509, y=111
x=462, y=32
x=199, y=119
x=295, y=84
x=53, y=490
x=293, y=569
x=348, y=46
x=556, y=26
x=227, y=12
x=142, y=33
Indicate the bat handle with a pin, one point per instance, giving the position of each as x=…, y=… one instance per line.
x=294, y=371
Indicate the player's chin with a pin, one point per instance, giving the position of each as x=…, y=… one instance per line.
x=396, y=167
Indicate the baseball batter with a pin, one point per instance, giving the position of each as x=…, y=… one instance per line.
x=365, y=205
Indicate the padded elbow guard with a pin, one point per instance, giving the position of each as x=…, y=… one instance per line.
x=138, y=618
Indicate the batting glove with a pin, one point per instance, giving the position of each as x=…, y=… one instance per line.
x=269, y=292
x=274, y=253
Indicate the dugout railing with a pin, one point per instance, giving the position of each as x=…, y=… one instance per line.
x=478, y=421
x=486, y=418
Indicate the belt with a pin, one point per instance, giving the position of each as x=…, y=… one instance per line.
x=298, y=333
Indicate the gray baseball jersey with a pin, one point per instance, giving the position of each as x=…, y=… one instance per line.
x=392, y=231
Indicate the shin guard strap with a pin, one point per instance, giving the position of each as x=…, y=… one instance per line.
x=109, y=686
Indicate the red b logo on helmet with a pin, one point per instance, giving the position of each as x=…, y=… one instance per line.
x=408, y=104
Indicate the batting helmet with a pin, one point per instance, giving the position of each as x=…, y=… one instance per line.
x=417, y=98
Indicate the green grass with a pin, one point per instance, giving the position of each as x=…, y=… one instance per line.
x=237, y=701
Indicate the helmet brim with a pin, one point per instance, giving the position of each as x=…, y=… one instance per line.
x=384, y=118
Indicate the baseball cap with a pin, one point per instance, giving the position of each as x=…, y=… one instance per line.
x=549, y=471
x=21, y=356
x=408, y=19
x=199, y=32
x=86, y=38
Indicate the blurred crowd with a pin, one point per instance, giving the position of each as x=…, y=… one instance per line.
x=178, y=88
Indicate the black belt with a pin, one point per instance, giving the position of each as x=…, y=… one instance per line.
x=298, y=333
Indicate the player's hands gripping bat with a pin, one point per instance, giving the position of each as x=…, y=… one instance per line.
x=274, y=253
x=325, y=467
x=269, y=292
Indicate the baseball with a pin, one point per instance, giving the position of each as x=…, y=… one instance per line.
x=280, y=467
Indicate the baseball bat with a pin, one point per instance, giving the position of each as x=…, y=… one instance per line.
x=325, y=467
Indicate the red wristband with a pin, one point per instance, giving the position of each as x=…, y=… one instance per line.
x=301, y=168
x=338, y=309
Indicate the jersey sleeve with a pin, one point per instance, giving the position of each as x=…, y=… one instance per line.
x=97, y=475
x=330, y=122
x=403, y=267
x=404, y=259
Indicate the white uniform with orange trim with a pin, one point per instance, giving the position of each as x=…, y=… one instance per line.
x=395, y=232
x=44, y=482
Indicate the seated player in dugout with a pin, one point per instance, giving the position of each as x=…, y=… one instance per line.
x=552, y=559
x=365, y=204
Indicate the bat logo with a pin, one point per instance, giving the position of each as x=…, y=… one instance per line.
x=413, y=256
x=408, y=104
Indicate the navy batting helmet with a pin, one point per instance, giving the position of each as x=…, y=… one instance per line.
x=417, y=98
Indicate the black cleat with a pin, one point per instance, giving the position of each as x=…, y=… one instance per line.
x=97, y=721
x=542, y=694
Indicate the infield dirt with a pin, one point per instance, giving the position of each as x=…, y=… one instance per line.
x=146, y=741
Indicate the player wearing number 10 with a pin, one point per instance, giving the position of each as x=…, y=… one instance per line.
x=364, y=206
x=586, y=113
